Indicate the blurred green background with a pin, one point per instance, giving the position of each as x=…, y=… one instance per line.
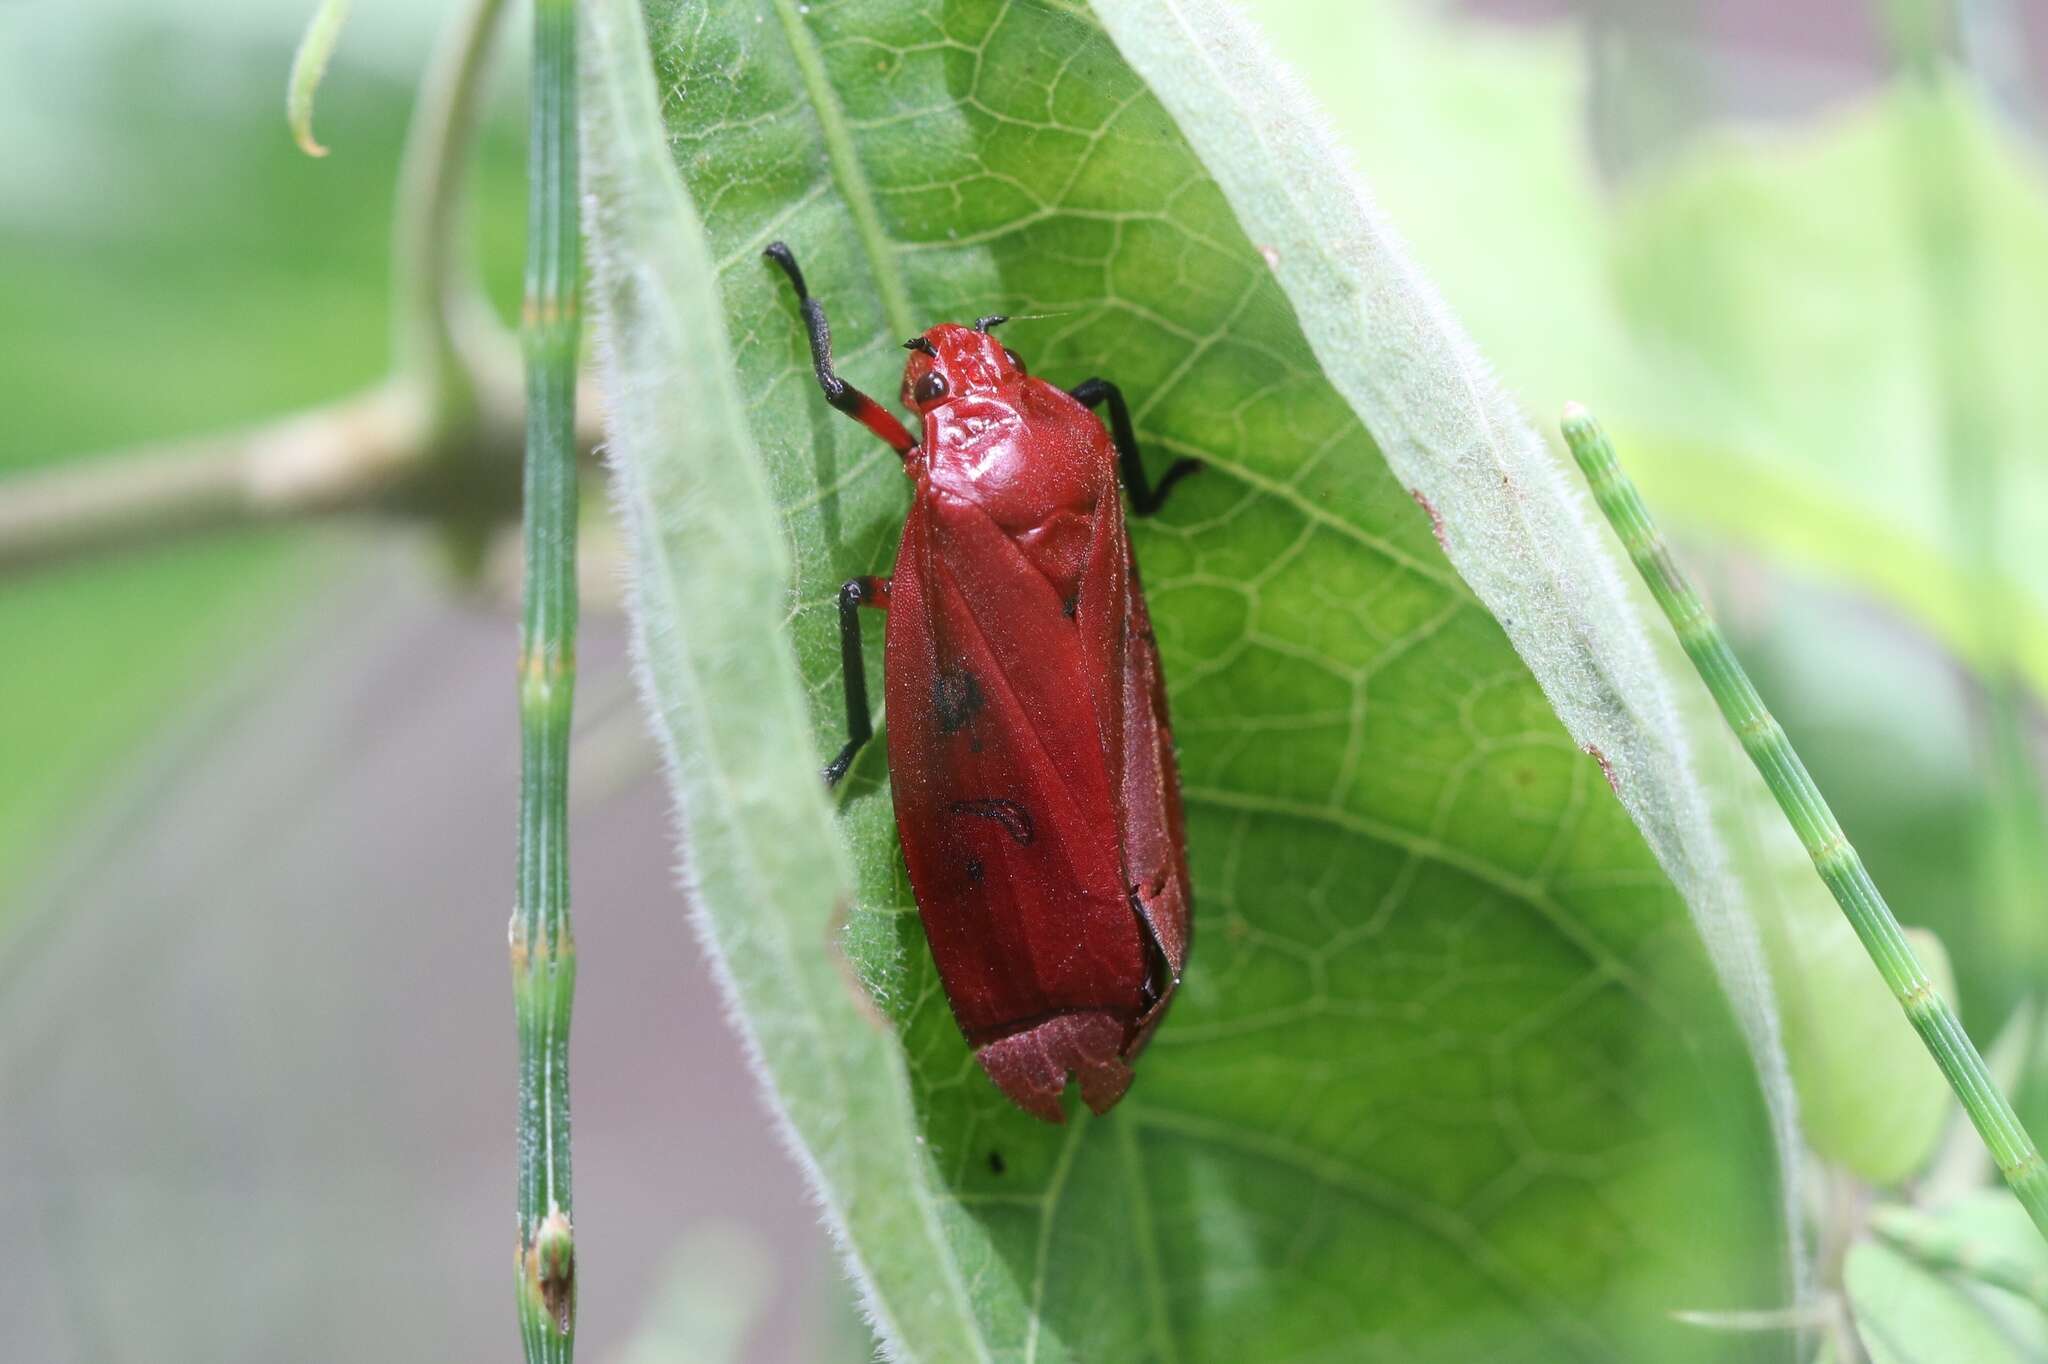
x=255, y=1046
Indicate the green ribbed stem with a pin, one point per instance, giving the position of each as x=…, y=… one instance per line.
x=1836, y=861
x=543, y=949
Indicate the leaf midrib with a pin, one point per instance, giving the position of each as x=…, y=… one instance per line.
x=847, y=172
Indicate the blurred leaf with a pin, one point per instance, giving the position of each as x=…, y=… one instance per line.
x=1448, y=1033
x=1870, y=1096
x=1883, y=717
x=1751, y=323
x=1790, y=282
x=172, y=265
x=1988, y=1245
x=1907, y=1314
x=1991, y=1225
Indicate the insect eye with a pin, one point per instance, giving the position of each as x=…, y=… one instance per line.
x=930, y=389
x=1016, y=361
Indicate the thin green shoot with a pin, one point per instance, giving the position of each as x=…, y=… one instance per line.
x=1838, y=863
x=309, y=64
x=543, y=948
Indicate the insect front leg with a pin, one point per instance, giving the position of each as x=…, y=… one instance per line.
x=838, y=392
x=1146, y=496
x=855, y=593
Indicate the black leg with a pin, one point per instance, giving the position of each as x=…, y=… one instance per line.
x=1146, y=497
x=855, y=593
x=838, y=392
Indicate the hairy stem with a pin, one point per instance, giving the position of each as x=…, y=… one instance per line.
x=543, y=948
x=1837, y=862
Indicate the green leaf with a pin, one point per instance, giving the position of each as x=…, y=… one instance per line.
x=1881, y=719
x=1449, y=1077
x=1906, y=1314
x=1870, y=1097
x=1751, y=317
x=1796, y=280
x=1986, y=1245
x=2005, y=1264
x=215, y=217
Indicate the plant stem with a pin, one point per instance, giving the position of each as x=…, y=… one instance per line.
x=1937, y=1246
x=359, y=452
x=1837, y=862
x=543, y=949
x=436, y=439
x=445, y=331
x=309, y=64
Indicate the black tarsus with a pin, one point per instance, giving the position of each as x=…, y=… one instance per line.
x=982, y=324
x=1146, y=497
x=854, y=593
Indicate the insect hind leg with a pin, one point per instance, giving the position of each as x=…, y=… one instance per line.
x=1146, y=497
x=855, y=593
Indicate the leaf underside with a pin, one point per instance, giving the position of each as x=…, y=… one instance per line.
x=1447, y=1077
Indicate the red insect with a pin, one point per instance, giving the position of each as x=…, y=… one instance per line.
x=1029, y=752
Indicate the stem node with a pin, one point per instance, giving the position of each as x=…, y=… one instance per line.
x=547, y=1264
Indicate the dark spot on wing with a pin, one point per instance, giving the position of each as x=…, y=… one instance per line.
x=1070, y=606
x=975, y=870
x=1015, y=819
x=956, y=699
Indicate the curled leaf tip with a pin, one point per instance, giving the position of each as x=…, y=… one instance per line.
x=309, y=64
